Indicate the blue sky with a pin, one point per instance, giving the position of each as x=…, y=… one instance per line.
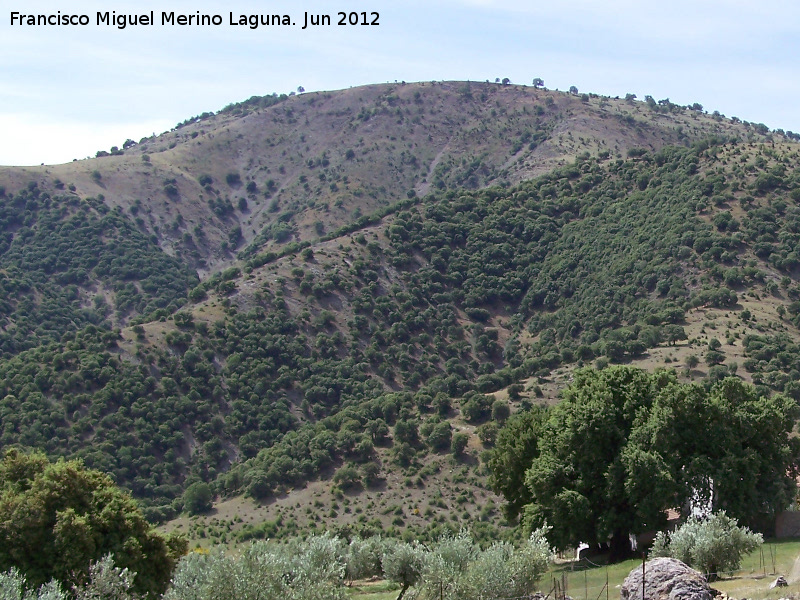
x=66, y=92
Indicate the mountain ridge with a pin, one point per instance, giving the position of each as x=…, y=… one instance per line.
x=427, y=134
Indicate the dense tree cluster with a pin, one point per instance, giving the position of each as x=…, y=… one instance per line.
x=624, y=445
x=598, y=260
x=66, y=263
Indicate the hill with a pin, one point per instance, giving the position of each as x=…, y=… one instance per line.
x=382, y=350
x=272, y=170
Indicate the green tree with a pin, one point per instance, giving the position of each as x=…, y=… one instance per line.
x=515, y=448
x=624, y=445
x=731, y=446
x=459, y=443
x=347, y=477
x=440, y=436
x=500, y=411
x=57, y=518
x=198, y=498
x=582, y=482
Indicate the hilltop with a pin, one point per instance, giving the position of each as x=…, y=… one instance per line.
x=277, y=169
x=343, y=343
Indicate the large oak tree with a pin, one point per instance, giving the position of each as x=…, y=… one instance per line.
x=624, y=445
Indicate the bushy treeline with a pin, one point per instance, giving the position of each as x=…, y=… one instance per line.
x=318, y=568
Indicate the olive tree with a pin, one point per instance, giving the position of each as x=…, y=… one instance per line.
x=713, y=545
x=402, y=563
x=304, y=570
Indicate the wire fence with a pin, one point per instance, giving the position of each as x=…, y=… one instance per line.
x=586, y=580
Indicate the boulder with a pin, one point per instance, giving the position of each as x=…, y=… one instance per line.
x=665, y=579
x=779, y=582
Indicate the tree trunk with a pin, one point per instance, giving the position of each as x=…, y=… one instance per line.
x=403, y=591
x=620, y=547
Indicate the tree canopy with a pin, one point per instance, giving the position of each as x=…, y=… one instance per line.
x=58, y=518
x=515, y=448
x=624, y=445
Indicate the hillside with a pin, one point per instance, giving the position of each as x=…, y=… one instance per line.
x=329, y=379
x=273, y=170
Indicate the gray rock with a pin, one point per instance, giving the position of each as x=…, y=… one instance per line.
x=665, y=579
x=779, y=582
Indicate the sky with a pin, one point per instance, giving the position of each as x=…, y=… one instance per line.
x=68, y=91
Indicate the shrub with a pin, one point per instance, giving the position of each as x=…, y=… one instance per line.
x=347, y=477
x=500, y=411
x=713, y=545
x=440, y=436
x=197, y=498
x=459, y=443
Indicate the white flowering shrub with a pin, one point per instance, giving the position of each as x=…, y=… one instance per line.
x=713, y=545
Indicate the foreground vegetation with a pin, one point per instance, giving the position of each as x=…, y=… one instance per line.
x=56, y=519
x=318, y=567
